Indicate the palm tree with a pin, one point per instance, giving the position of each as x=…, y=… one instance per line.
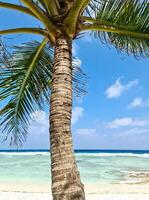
x=29, y=72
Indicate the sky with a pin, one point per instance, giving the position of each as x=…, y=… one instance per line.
x=115, y=112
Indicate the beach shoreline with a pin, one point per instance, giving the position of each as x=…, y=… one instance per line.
x=93, y=192
x=110, y=176
x=104, y=188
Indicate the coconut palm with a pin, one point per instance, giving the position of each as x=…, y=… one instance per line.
x=29, y=72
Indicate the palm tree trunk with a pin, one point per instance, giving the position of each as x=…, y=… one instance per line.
x=66, y=183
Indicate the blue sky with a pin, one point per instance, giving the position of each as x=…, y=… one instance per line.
x=114, y=113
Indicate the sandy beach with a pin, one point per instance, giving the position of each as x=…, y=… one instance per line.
x=93, y=192
x=108, y=176
x=45, y=196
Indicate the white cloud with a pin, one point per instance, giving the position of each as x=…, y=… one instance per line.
x=116, y=90
x=138, y=102
x=133, y=132
x=125, y=122
x=75, y=48
x=86, y=132
x=77, y=112
x=40, y=123
x=39, y=116
x=77, y=62
x=116, y=123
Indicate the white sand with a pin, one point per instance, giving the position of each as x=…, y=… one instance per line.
x=46, y=196
x=93, y=192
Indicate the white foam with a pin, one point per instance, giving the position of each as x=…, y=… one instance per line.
x=24, y=153
x=146, y=155
x=114, y=155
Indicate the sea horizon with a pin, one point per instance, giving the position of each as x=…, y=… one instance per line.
x=137, y=151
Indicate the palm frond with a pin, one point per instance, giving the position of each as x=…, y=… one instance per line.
x=41, y=3
x=92, y=8
x=25, y=84
x=128, y=16
x=4, y=54
x=79, y=79
x=25, y=79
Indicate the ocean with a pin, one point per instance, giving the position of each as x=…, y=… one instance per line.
x=96, y=166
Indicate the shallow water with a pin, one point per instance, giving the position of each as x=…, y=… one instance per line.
x=95, y=167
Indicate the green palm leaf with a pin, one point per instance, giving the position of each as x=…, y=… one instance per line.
x=124, y=16
x=92, y=7
x=25, y=79
x=79, y=80
x=25, y=84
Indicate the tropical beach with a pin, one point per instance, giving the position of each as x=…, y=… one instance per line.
x=107, y=193
x=107, y=176
x=74, y=100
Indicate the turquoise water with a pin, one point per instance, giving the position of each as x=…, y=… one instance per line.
x=95, y=167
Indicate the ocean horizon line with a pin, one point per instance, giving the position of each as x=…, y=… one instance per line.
x=136, y=151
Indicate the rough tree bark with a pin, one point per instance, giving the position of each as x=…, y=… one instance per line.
x=66, y=183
